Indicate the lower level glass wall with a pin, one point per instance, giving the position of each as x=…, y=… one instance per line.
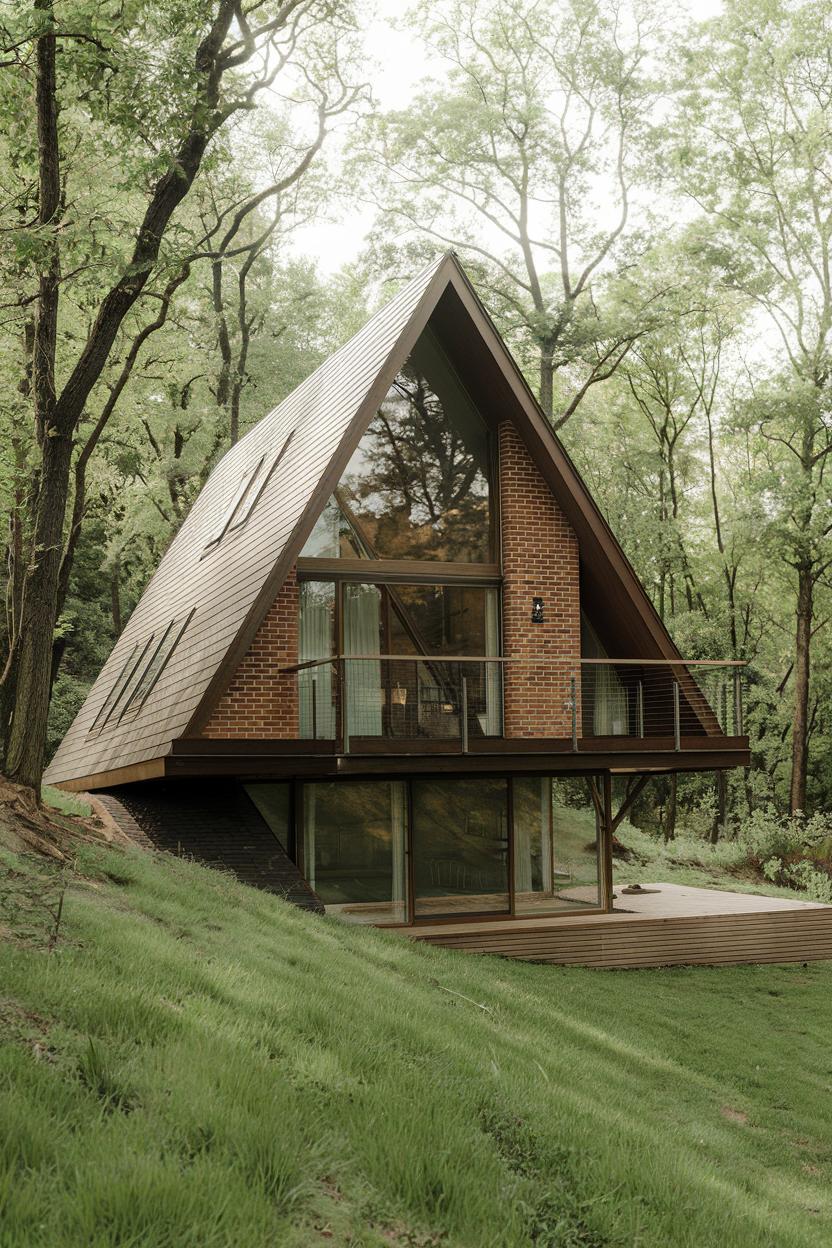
x=556, y=840
x=460, y=842
x=354, y=848
x=485, y=846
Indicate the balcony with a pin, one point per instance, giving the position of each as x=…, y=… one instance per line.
x=415, y=704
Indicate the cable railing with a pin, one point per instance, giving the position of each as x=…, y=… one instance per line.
x=358, y=701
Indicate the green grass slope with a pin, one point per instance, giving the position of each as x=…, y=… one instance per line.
x=194, y=1063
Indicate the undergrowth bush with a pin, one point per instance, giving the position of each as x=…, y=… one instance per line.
x=791, y=850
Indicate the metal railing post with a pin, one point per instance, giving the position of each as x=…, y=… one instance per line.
x=677, y=733
x=737, y=703
x=640, y=709
x=574, y=700
x=723, y=705
x=314, y=706
x=464, y=712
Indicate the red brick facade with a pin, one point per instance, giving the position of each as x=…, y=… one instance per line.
x=260, y=702
x=540, y=560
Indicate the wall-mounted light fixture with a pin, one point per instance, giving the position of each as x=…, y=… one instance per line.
x=537, y=610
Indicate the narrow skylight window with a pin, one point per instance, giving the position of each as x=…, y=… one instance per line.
x=248, y=492
x=120, y=684
x=139, y=674
x=152, y=669
x=232, y=517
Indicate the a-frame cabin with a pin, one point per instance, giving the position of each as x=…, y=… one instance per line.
x=394, y=655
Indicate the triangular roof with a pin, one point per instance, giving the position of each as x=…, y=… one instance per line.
x=229, y=591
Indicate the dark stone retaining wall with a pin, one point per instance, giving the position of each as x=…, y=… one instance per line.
x=214, y=822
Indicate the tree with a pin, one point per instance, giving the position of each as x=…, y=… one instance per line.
x=524, y=161
x=752, y=149
x=80, y=286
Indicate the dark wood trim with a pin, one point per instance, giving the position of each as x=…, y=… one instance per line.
x=399, y=572
x=150, y=769
x=208, y=746
x=559, y=470
x=605, y=844
x=268, y=765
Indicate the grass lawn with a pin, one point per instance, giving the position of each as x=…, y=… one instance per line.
x=197, y=1064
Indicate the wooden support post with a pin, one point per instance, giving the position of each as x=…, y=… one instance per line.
x=606, y=844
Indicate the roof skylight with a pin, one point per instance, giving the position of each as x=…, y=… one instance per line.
x=251, y=486
x=135, y=681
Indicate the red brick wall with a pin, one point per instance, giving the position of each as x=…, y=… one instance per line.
x=540, y=559
x=260, y=702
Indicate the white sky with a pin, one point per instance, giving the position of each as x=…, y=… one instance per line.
x=397, y=62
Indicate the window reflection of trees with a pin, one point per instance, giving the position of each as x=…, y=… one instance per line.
x=419, y=480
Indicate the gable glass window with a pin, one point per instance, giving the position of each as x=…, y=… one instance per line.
x=419, y=484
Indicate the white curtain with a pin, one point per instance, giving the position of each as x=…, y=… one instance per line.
x=493, y=725
x=362, y=635
x=532, y=833
x=317, y=604
x=610, y=712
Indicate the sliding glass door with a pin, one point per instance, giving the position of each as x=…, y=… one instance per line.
x=460, y=847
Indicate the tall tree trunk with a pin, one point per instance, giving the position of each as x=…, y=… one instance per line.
x=800, y=716
x=24, y=755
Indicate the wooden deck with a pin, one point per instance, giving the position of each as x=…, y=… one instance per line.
x=672, y=926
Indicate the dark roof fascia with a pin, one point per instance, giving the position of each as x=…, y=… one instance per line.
x=318, y=499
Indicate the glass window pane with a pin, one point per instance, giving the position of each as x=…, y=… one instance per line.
x=354, y=848
x=460, y=847
x=556, y=833
x=419, y=483
x=274, y=803
x=316, y=640
x=443, y=619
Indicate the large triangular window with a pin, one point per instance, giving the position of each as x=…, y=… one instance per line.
x=419, y=484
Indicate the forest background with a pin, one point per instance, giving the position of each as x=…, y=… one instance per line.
x=201, y=199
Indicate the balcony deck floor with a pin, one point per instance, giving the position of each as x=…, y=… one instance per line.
x=670, y=926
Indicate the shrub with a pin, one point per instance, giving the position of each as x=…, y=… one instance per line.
x=765, y=834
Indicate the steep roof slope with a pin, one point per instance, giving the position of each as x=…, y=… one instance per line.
x=223, y=586
x=307, y=442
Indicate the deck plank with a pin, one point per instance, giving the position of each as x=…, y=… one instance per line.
x=673, y=926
